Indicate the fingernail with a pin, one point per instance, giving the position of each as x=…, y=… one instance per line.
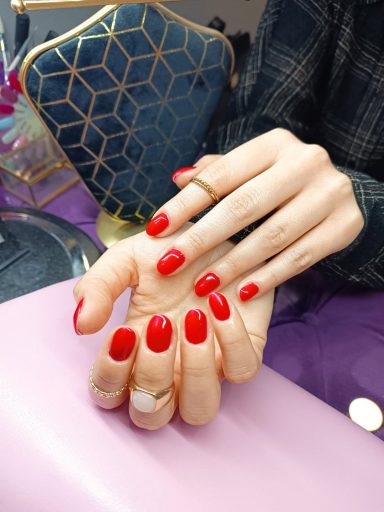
x=207, y=284
x=248, y=291
x=182, y=170
x=170, y=262
x=195, y=326
x=157, y=225
x=76, y=317
x=123, y=342
x=219, y=305
x=159, y=333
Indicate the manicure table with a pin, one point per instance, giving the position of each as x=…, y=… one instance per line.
x=272, y=448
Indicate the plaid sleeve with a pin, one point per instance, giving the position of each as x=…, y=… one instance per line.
x=362, y=262
x=283, y=82
x=283, y=86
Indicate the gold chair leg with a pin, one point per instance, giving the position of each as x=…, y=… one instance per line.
x=111, y=230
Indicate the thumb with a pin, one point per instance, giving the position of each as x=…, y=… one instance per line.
x=183, y=176
x=98, y=289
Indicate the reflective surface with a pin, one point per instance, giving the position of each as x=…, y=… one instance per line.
x=38, y=249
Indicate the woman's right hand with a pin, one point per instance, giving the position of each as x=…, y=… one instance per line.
x=234, y=352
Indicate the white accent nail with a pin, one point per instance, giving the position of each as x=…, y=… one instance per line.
x=143, y=402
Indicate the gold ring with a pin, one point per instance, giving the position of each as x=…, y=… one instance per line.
x=105, y=394
x=149, y=401
x=207, y=187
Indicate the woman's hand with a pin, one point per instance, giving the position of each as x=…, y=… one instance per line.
x=315, y=214
x=164, y=338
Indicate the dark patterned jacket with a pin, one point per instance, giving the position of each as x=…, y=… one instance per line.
x=317, y=69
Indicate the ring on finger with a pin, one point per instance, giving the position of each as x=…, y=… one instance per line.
x=148, y=401
x=207, y=187
x=101, y=392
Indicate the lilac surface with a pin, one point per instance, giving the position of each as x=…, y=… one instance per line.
x=272, y=447
x=327, y=337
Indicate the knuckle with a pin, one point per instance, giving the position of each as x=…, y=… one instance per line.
x=301, y=258
x=281, y=133
x=315, y=151
x=273, y=277
x=232, y=266
x=242, y=375
x=195, y=372
x=153, y=378
x=357, y=220
x=275, y=236
x=242, y=205
x=208, y=159
x=198, y=415
x=344, y=185
x=195, y=241
x=217, y=171
x=179, y=203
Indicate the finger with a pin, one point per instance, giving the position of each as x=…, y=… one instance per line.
x=112, y=368
x=224, y=175
x=160, y=221
x=200, y=389
x=247, y=204
x=98, y=289
x=327, y=238
x=183, y=176
x=241, y=356
x=154, y=372
x=279, y=231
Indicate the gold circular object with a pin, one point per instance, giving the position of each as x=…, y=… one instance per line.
x=207, y=187
x=105, y=394
x=111, y=230
x=366, y=413
x=155, y=399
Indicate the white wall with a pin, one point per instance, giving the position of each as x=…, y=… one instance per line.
x=239, y=14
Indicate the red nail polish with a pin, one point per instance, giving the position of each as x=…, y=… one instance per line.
x=157, y=225
x=182, y=170
x=195, y=326
x=170, y=262
x=14, y=81
x=76, y=317
x=219, y=306
x=207, y=284
x=123, y=342
x=248, y=291
x=159, y=333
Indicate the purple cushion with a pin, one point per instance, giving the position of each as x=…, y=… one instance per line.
x=328, y=337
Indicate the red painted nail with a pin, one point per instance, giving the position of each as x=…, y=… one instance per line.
x=219, y=306
x=123, y=342
x=170, y=262
x=248, y=291
x=157, y=225
x=76, y=317
x=14, y=81
x=7, y=110
x=177, y=173
x=159, y=333
x=207, y=284
x=195, y=326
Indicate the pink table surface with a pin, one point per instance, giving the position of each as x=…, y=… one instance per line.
x=273, y=446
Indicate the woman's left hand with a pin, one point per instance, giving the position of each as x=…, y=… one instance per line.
x=315, y=214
